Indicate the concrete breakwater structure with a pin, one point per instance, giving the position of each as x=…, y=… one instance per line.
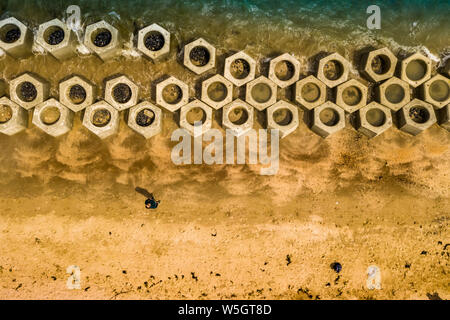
x=407, y=93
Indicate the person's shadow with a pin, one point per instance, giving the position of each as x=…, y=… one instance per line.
x=144, y=192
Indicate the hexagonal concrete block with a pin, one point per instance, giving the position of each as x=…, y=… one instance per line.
x=239, y=68
x=199, y=56
x=310, y=92
x=101, y=119
x=154, y=42
x=53, y=117
x=373, y=119
x=3, y=88
x=103, y=39
x=15, y=38
x=393, y=93
x=198, y=107
x=13, y=118
x=333, y=70
x=28, y=90
x=121, y=93
x=284, y=70
x=380, y=64
x=444, y=117
x=237, y=116
x=76, y=93
x=217, y=91
x=172, y=94
x=261, y=93
x=351, y=95
x=57, y=39
x=416, y=69
x=416, y=117
x=282, y=116
x=327, y=119
x=437, y=91
x=145, y=119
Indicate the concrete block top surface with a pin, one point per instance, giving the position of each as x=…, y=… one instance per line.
x=13, y=118
x=375, y=118
x=284, y=70
x=172, y=94
x=333, y=70
x=145, y=119
x=53, y=117
x=196, y=111
x=76, y=93
x=261, y=93
x=417, y=116
x=416, y=69
x=13, y=34
x=101, y=119
x=217, y=91
x=380, y=64
x=239, y=68
x=199, y=56
x=328, y=119
x=351, y=95
x=102, y=39
x=238, y=117
x=310, y=92
x=283, y=116
x=437, y=91
x=121, y=92
x=394, y=93
x=154, y=41
x=28, y=90
x=56, y=38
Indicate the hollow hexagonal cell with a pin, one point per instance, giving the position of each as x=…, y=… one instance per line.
x=239, y=68
x=121, y=93
x=444, y=117
x=394, y=93
x=172, y=94
x=15, y=38
x=194, y=112
x=284, y=70
x=351, y=95
x=380, y=64
x=333, y=70
x=310, y=92
x=145, y=119
x=217, y=91
x=57, y=39
x=327, y=119
x=103, y=39
x=28, y=90
x=416, y=69
x=416, y=117
x=199, y=56
x=76, y=93
x=282, y=116
x=237, y=116
x=13, y=118
x=373, y=119
x=101, y=119
x=53, y=117
x=437, y=91
x=261, y=93
x=154, y=42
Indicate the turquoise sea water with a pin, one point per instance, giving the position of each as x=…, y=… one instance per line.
x=264, y=25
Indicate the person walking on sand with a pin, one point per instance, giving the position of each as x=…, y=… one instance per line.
x=151, y=203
